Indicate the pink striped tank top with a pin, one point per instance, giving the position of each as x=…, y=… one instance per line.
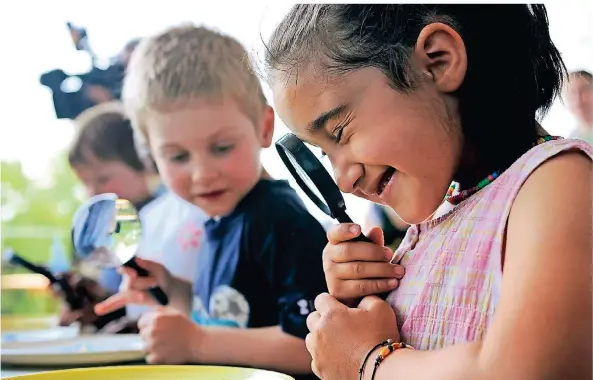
x=453, y=263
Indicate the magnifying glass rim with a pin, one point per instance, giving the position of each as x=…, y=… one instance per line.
x=84, y=211
x=334, y=202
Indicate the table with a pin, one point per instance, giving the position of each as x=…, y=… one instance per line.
x=7, y=371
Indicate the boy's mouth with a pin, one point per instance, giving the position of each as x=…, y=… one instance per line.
x=385, y=180
x=211, y=195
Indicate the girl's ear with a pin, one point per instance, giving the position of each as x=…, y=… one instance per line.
x=441, y=53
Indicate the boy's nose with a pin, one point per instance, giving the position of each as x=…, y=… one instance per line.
x=202, y=174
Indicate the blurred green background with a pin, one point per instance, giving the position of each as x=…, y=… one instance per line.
x=33, y=215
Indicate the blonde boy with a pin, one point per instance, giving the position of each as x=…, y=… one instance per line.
x=192, y=94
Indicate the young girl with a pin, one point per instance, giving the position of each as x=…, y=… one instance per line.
x=405, y=100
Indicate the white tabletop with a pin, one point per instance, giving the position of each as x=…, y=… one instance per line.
x=6, y=373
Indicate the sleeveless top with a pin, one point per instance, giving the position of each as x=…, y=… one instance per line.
x=453, y=262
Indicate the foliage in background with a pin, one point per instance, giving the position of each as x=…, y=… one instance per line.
x=33, y=214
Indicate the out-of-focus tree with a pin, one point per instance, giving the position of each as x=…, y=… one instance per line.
x=32, y=216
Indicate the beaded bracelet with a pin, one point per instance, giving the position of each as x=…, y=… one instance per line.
x=366, y=358
x=385, y=351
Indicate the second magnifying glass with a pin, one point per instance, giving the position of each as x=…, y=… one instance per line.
x=106, y=231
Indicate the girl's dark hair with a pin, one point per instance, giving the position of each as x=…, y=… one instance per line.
x=514, y=70
x=108, y=136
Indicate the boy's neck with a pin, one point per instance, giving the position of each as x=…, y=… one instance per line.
x=265, y=174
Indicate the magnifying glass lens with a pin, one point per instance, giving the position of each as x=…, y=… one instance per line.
x=305, y=177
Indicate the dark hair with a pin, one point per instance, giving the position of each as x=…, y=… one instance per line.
x=514, y=70
x=106, y=135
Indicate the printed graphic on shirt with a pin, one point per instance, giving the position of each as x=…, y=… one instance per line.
x=190, y=236
x=228, y=307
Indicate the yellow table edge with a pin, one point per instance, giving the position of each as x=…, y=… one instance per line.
x=96, y=373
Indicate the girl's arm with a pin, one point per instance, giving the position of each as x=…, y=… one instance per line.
x=542, y=327
x=266, y=347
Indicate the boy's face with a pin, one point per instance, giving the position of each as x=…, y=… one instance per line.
x=100, y=176
x=208, y=151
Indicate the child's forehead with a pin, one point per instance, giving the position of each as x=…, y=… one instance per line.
x=93, y=165
x=204, y=117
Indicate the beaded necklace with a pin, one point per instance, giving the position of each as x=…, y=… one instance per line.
x=463, y=195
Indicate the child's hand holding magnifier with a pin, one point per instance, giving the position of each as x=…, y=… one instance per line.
x=355, y=265
x=357, y=269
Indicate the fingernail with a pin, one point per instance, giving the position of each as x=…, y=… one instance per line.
x=400, y=270
x=392, y=283
x=354, y=229
x=388, y=253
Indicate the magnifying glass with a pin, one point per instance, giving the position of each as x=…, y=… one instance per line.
x=313, y=179
x=106, y=231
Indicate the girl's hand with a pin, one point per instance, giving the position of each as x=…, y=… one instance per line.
x=341, y=337
x=170, y=337
x=357, y=269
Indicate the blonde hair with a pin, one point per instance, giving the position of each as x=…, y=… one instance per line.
x=189, y=62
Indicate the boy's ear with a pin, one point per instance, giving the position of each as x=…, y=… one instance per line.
x=267, y=127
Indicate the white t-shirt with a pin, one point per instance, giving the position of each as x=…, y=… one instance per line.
x=173, y=235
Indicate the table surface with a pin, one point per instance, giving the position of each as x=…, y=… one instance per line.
x=11, y=372
x=7, y=371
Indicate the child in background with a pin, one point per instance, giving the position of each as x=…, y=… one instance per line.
x=405, y=100
x=579, y=98
x=105, y=159
x=192, y=94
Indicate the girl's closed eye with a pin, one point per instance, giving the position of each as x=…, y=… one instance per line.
x=338, y=131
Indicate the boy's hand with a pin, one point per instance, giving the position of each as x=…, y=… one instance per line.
x=134, y=289
x=357, y=269
x=170, y=337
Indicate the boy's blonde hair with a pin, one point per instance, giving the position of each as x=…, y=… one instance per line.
x=189, y=62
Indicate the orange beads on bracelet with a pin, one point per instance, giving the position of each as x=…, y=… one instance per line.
x=389, y=348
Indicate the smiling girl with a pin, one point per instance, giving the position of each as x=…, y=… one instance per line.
x=406, y=100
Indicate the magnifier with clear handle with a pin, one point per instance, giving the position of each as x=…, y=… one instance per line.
x=313, y=179
x=106, y=232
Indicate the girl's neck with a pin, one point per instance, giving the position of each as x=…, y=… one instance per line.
x=471, y=171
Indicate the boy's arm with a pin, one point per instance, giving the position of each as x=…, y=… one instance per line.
x=266, y=347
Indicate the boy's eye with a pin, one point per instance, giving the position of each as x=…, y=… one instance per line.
x=103, y=179
x=181, y=157
x=222, y=149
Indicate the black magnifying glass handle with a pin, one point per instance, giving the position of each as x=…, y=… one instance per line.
x=59, y=281
x=156, y=292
